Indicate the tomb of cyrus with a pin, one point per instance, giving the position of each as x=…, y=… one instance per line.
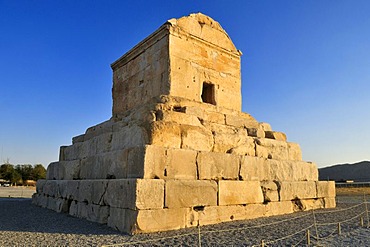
x=177, y=151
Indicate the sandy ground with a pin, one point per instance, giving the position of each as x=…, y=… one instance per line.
x=17, y=192
x=23, y=224
x=353, y=191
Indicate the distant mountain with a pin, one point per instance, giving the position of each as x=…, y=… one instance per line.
x=359, y=172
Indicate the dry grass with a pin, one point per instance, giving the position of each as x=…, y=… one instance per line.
x=353, y=191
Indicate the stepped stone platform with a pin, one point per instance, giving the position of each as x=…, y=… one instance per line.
x=178, y=152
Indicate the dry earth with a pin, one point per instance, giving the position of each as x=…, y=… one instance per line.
x=353, y=191
x=23, y=224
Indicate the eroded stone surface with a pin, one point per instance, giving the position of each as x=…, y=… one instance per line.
x=178, y=152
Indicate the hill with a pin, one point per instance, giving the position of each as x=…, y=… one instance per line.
x=359, y=172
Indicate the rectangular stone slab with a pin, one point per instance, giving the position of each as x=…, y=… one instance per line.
x=239, y=192
x=190, y=193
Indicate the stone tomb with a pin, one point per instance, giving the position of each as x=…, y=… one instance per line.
x=178, y=151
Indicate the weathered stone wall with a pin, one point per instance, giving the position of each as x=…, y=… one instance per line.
x=142, y=73
x=179, y=59
x=147, y=205
x=173, y=156
x=201, y=52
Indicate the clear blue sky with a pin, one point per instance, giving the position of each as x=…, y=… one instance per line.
x=305, y=69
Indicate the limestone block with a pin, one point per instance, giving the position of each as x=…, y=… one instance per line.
x=254, y=168
x=189, y=193
x=104, y=142
x=108, y=165
x=227, y=138
x=255, y=211
x=195, y=111
x=143, y=114
x=218, y=214
x=196, y=138
x=135, y=162
x=82, y=209
x=214, y=117
x=294, y=151
x=131, y=221
x=122, y=123
x=72, y=190
x=246, y=148
x=150, y=162
x=112, y=165
x=88, y=167
x=90, y=146
x=98, y=213
x=43, y=201
x=256, y=132
x=181, y=164
x=76, y=151
x=85, y=191
x=135, y=193
x=279, y=208
x=149, y=193
x=62, y=189
x=241, y=120
x=69, y=170
x=262, y=152
x=37, y=199
x=218, y=165
x=301, y=190
x=329, y=202
x=165, y=134
x=79, y=138
x=275, y=135
x=239, y=192
x=40, y=186
x=160, y=162
x=52, y=203
x=156, y=219
x=265, y=126
x=61, y=153
x=308, y=204
x=270, y=191
x=117, y=219
x=52, y=171
x=129, y=136
x=272, y=149
x=61, y=205
x=280, y=170
x=51, y=188
x=177, y=117
x=73, y=209
x=98, y=190
x=325, y=189
x=146, y=162
x=303, y=171
x=98, y=130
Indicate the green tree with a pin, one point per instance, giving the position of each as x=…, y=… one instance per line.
x=25, y=171
x=39, y=172
x=8, y=172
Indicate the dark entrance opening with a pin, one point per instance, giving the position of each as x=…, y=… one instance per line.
x=208, y=93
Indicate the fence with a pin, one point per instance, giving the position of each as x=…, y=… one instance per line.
x=316, y=227
x=352, y=185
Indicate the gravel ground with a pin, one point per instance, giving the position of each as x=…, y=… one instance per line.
x=23, y=224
